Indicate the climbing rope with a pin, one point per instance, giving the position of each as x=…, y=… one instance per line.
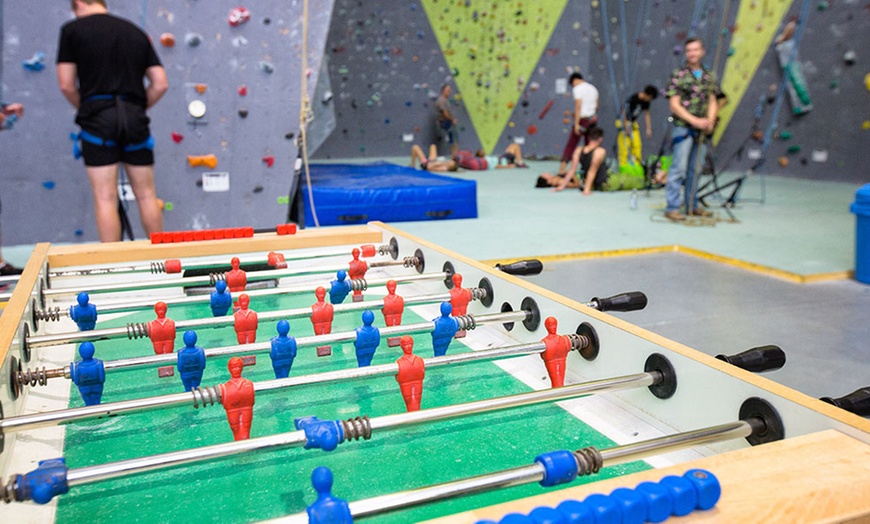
x=305, y=112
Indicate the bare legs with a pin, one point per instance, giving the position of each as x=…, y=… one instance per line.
x=104, y=185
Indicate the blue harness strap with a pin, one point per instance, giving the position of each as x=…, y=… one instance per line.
x=694, y=133
x=90, y=138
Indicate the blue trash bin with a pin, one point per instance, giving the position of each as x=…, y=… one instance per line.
x=861, y=208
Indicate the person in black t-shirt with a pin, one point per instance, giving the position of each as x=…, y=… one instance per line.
x=635, y=105
x=101, y=63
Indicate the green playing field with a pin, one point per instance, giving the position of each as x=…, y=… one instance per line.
x=269, y=484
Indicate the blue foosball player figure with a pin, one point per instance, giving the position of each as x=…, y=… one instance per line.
x=445, y=329
x=191, y=362
x=283, y=350
x=339, y=288
x=221, y=299
x=367, y=339
x=327, y=509
x=84, y=314
x=88, y=374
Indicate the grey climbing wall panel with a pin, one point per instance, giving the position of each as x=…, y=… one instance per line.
x=45, y=192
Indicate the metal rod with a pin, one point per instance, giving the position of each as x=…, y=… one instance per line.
x=315, y=340
x=65, y=416
x=39, y=341
x=204, y=280
x=148, y=303
x=112, y=470
x=532, y=473
x=189, y=264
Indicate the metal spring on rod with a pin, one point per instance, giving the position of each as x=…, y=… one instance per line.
x=207, y=396
x=137, y=330
x=589, y=460
x=51, y=313
x=384, y=249
x=32, y=377
x=578, y=341
x=8, y=490
x=214, y=278
x=158, y=268
x=410, y=261
x=357, y=428
x=359, y=284
x=466, y=322
x=478, y=293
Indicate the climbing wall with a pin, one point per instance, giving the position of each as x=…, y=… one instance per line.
x=388, y=62
x=249, y=77
x=830, y=141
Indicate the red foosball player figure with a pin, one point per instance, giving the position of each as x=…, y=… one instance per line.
x=412, y=369
x=245, y=321
x=162, y=331
x=357, y=269
x=276, y=260
x=394, y=306
x=459, y=299
x=236, y=278
x=459, y=296
x=556, y=352
x=321, y=313
x=237, y=397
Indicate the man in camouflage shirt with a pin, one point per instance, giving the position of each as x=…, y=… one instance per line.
x=692, y=96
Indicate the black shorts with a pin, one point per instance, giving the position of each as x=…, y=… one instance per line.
x=102, y=119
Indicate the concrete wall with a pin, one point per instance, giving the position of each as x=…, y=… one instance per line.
x=46, y=196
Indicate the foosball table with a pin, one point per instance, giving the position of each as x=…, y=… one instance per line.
x=362, y=373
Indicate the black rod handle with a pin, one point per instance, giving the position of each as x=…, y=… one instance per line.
x=631, y=301
x=757, y=360
x=523, y=267
x=857, y=402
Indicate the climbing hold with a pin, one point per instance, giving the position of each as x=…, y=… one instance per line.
x=865, y=125
x=532, y=129
x=290, y=136
x=258, y=189
x=794, y=149
x=267, y=21
x=834, y=83
x=822, y=5
x=867, y=81
x=327, y=96
x=209, y=161
x=196, y=109
x=267, y=67
x=200, y=88
x=161, y=204
x=678, y=50
x=269, y=160
x=167, y=40
x=239, y=16
x=177, y=137
x=193, y=39
x=48, y=184
x=243, y=112
x=35, y=63
x=783, y=161
x=79, y=232
x=849, y=57
x=785, y=135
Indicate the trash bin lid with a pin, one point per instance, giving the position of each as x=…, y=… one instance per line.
x=862, y=201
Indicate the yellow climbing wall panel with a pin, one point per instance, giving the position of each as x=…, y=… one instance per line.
x=755, y=27
x=492, y=48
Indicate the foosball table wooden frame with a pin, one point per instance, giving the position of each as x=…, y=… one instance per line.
x=819, y=471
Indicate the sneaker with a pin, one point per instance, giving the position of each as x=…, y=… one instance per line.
x=701, y=212
x=675, y=216
x=7, y=269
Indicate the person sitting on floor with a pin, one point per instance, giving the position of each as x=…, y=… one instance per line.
x=478, y=161
x=590, y=159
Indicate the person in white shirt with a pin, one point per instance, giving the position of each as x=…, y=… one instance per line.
x=584, y=118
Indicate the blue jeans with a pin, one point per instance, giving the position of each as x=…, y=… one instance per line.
x=682, y=171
